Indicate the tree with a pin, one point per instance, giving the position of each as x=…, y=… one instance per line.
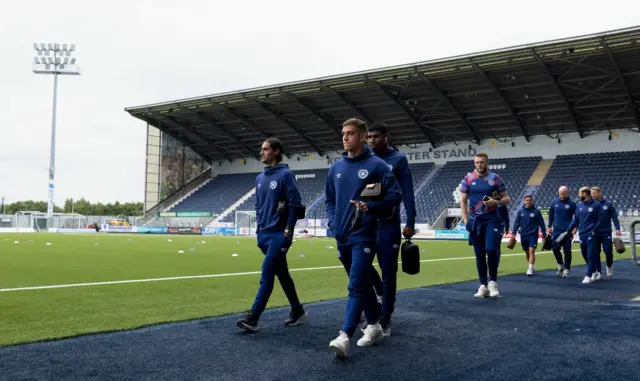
x=80, y=206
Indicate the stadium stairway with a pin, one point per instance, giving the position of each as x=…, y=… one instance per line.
x=439, y=192
x=152, y=213
x=188, y=194
x=614, y=172
x=519, y=202
x=234, y=206
x=540, y=172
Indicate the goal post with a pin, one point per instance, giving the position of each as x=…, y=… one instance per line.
x=245, y=223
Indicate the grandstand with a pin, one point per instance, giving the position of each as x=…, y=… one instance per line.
x=559, y=112
x=611, y=171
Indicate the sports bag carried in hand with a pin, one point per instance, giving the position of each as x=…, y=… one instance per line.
x=618, y=245
x=410, y=253
x=547, y=243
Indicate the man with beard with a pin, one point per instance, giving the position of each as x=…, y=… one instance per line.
x=587, y=223
x=608, y=214
x=561, y=214
x=481, y=193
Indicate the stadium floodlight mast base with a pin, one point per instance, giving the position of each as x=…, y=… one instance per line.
x=54, y=59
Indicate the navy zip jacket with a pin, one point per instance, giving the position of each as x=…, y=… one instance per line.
x=399, y=165
x=275, y=184
x=503, y=214
x=607, y=213
x=587, y=218
x=345, y=181
x=561, y=213
x=529, y=220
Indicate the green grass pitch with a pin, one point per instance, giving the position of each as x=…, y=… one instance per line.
x=46, y=314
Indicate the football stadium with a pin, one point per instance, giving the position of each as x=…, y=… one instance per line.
x=159, y=296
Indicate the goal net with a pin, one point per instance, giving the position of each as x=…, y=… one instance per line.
x=245, y=223
x=40, y=222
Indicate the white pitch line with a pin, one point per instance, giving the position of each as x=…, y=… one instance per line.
x=223, y=275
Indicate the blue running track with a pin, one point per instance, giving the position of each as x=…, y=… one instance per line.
x=542, y=328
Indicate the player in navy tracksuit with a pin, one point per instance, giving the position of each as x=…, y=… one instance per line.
x=485, y=192
x=389, y=236
x=587, y=222
x=357, y=238
x=529, y=221
x=503, y=214
x=607, y=214
x=561, y=214
x=275, y=233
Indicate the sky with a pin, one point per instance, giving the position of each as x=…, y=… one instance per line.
x=139, y=52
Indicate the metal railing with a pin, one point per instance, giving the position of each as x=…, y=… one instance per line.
x=632, y=242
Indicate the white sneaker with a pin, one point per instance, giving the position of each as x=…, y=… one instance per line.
x=560, y=270
x=372, y=334
x=596, y=276
x=493, y=289
x=483, y=292
x=586, y=280
x=340, y=345
x=386, y=331
x=565, y=273
x=609, y=272
x=530, y=271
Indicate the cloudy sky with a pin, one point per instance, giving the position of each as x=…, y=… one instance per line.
x=142, y=51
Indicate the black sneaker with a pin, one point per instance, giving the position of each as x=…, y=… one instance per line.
x=296, y=317
x=249, y=323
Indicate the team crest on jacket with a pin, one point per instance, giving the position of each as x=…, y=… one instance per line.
x=491, y=182
x=605, y=207
x=590, y=210
x=566, y=206
x=531, y=215
x=273, y=185
x=363, y=173
x=390, y=167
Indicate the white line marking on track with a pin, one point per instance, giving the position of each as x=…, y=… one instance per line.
x=56, y=286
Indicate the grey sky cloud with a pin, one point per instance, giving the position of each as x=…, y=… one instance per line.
x=138, y=52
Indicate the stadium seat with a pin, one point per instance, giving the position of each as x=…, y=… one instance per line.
x=614, y=172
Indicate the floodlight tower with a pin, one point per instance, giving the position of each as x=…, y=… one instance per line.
x=54, y=59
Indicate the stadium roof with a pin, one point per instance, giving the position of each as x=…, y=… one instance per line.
x=582, y=84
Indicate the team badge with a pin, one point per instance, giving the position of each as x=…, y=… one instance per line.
x=390, y=167
x=605, y=207
x=273, y=185
x=531, y=215
x=367, y=250
x=590, y=210
x=363, y=173
x=566, y=206
x=491, y=182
